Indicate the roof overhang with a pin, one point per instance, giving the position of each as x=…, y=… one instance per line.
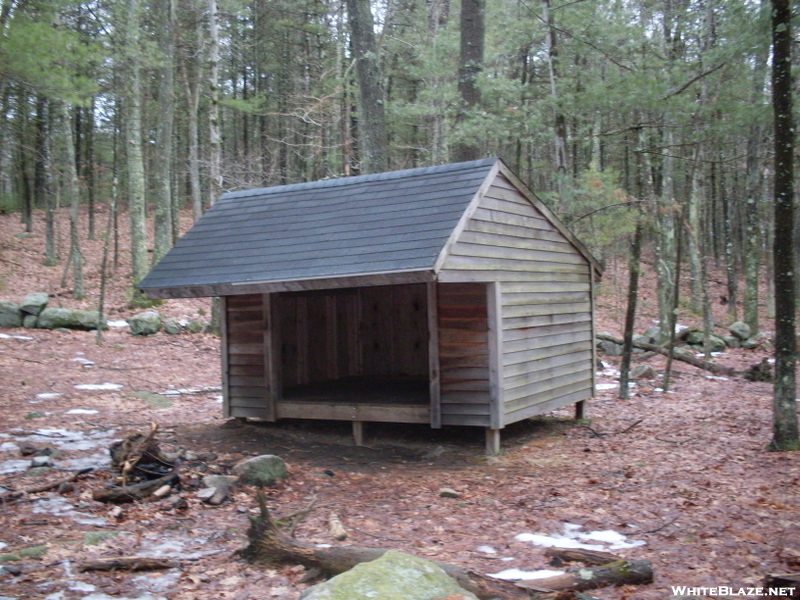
x=292, y=285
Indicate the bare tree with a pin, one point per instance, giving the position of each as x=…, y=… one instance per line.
x=785, y=430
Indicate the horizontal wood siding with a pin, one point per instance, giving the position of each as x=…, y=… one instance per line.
x=464, y=354
x=545, y=295
x=245, y=374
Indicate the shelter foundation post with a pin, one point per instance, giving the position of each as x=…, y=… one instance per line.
x=580, y=410
x=358, y=432
x=492, y=441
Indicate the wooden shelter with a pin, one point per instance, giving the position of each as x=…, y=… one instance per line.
x=445, y=295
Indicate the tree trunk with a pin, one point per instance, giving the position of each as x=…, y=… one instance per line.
x=470, y=64
x=559, y=120
x=214, y=138
x=71, y=194
x=785, y=428
x=630, y=314
x=753, y=183
x=623, y=572
x=164, y=11
x=371, y=109
x=133, y=138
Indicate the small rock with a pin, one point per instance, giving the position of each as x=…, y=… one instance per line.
x=740, y=329
x=610, y=348
x=448, y=493
x=654, y=333
x=206, y=493
x=30, y=321
x=195, y=326
x=66, y=488
x=10, y=314
x=732, y=341
x=172, y=327
x=41, y=461
x=27, y=449
x=35, y=303
x=750, y=344
x=643, y=372
x=145, y=323
x=260, y=470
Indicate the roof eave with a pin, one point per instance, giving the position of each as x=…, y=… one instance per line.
x=291, y=285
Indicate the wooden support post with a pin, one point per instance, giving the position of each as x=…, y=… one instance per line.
x=492, y=441
x=358, y=432
x=580, y=410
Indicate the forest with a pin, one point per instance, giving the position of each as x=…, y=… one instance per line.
x=659, y=131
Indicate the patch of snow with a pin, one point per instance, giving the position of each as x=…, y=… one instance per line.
x=714, y=354
x=82, y=411
x=516, y=574
x=574, y=538
x=717, y=378
x=48, y=395
x=3, y=545
x=323, y=546
x=222, y=398
x=170, y=393
x=606, y=386
x=98, y=386
x=487, y=549
x=80, y=586
x=14, y=466
x=117, y=323
x=8, y=447
x=96, y=461
x=101, y=596
x=84, y=361
x=159, y=583
x=55, y=596
x=5, y=336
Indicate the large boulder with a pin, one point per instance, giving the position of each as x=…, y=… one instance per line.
x=33, y=304
x=69, y=318
x=145, y=323
x=10, y=314
x=740, y=330
x=260, y=470
x=394, y=576
x=610, y=348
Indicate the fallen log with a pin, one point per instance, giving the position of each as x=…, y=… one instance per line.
x=128, y=563
x=560, y=556
x=715, y=368
x=621, y=572
x=269, y=544
x=43, y=487
x=136, y=491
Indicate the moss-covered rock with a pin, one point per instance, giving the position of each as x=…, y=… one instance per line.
x=145, y=323
x=33, y=304
x=260, y=470
x=68, y=318
x=394, y=576
x=10, y=314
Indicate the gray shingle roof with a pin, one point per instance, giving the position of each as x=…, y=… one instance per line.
x=387, y=222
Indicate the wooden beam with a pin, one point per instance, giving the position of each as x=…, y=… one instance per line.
x=434, y=371
x=271, y=387
x=494, y=307
x=223, y=334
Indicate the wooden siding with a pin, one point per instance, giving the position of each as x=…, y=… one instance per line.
x=379, y=331
x=545, y=299
x=245, y=368
x=464, y=354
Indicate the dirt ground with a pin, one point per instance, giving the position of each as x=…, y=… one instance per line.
x=686, y=472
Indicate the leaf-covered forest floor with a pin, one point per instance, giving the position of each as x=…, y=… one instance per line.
x=687, y=471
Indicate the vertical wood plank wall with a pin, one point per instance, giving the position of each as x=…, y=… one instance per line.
x=545, y=292
x=247, y=386
x=464, y=354
x=378, y=331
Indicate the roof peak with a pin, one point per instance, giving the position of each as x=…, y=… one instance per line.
x=353, y=180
